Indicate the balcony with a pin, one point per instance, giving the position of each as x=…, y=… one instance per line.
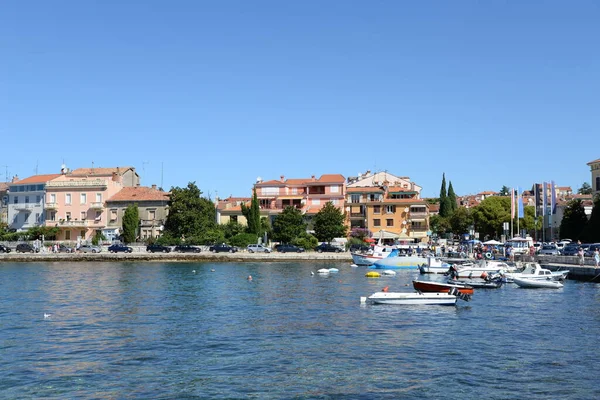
x=51, y=206
x=418, y=214
x=98, y=205
x=151, y=222
x=24, y=207
x=80, y=183
x=418, y=228
x=72, y=224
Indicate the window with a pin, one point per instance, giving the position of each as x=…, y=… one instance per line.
x=294, y=190
x=98, y=197
x=151, y=214
x=37, y=218
x=598, y=183
x=53, y=216
x=316, y=202
x=68, y=215
x=16, y=200
x=389, y=222
x=377, y=222
x=68, y=198
x=53, y=198
x=67, y=235
x=390, y=209
x=26, y=199
x=269, y=191
x=38, y=199
x=98, y=215
x=376, y=209
x=83, y=198
x=355, y=198
x=83, y=215
x=26, y=218
x=113, y=215
x=233, y=218
x=334, y=189
x=82, y=234
x=334, y=202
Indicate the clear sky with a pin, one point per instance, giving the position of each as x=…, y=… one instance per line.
x=490, y=93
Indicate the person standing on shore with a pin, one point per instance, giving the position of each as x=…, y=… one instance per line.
x=581, y=256
x=596, y=258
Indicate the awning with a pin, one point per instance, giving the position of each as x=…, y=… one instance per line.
x=383, y=234
x=292, y=197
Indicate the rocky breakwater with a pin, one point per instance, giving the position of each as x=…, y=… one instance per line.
x=171, y=257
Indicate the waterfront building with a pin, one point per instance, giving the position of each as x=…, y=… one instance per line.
x=595, y=179
x=230, y=210
x=152, y=205
x=4, y=202
x=26, y=206
x=389, y=206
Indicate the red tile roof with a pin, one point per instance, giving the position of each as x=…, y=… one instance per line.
x=37, y=179
x=140, y=193
x=594, y=162
x=326, y=178
x=100, y=171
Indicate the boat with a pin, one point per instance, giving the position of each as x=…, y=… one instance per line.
x=478, y=284
x=389, y=272
x=476, y=269
x=404, y=298
x=323, y=271
x=333, y=270
x=407, y=262
x=537, y=283
x=533, y=270
x=377, y=253
x=429, y=287
x=434, y=266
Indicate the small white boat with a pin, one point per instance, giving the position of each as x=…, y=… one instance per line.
x=376, y=254
x=404, y=298
x=408, y=262
x=475, y=270
x=388, y=272
x=333, y=270
x=537, y=283
x=323, y=271
x=533, y=270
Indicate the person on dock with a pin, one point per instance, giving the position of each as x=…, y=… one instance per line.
x=581, y=255
x=596, y=258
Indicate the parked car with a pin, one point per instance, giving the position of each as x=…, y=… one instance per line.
x=326, y=247
x=550, y=250
x=187, y=248
x=153, y=248
x=288, y=248
x=26, y=248
x=222, y=248
x=119, y=248
x=589, y=252
x=65, y=249
x=258, y=248
x=4, y=249
x=89, y=248
x=570, y=250
x=359, y=248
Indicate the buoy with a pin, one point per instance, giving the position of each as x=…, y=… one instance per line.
x=212, y=270
x=372, y=274
x=249, y=277
x=46, y=316
x=312, y=273
x=363, y=299
x=194, y=271
x=488, y=255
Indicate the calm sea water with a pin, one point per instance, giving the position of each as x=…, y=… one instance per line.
x=152, y=330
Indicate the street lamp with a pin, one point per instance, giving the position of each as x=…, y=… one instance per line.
x=471, y=234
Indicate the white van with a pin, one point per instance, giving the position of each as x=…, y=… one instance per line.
x=520, y=245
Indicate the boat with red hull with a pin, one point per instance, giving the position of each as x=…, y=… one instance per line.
x=431, y=287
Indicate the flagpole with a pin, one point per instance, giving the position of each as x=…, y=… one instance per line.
x=512, y=211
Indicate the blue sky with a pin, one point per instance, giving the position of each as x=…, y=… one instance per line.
x=490, y=93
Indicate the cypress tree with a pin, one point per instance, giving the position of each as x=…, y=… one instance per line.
x=444, y=211
x=252, y=215
x=452, y=198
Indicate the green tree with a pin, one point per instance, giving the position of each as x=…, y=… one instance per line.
x=189, y=213
x=439, y=224
x=505, y=191
x=490, y=215
x=573, y=221
x=131, y=222
x=329, y=223
x=252, y=215
x=232, y=228
x=591, y=232
x=444, y=203
x=452, y=198
x=585, y=189
x=288, y=225
x=460, y=221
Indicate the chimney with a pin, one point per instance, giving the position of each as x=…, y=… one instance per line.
x=153, y=187
x=282, y=178
x=115, y=177
x=15, y=179
x=313, y=178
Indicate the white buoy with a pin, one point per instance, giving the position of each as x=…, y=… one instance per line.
x=193, y=271
x=46, y=316
x=363, y=299
x=354, y=266
x=312, y=273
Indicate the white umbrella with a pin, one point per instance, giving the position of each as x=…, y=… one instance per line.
x=492, y=242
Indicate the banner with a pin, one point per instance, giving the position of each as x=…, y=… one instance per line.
x=536, y=197
x=553, y=199
x=512, y=203
x=520, y=211
x=544, y=198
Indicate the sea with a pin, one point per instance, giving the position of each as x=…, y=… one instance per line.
x=152, y=330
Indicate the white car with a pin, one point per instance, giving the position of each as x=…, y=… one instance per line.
x=257, y=248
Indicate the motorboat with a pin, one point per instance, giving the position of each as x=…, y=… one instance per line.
x=432, y=287
x=537, y=283
x=476, y=269
x=434, y=266
x=478, y=284
x=388, y=272
x=407, y=262
x=376, y=254
x=323, y=271
x=404, y=298
x=533, y=270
